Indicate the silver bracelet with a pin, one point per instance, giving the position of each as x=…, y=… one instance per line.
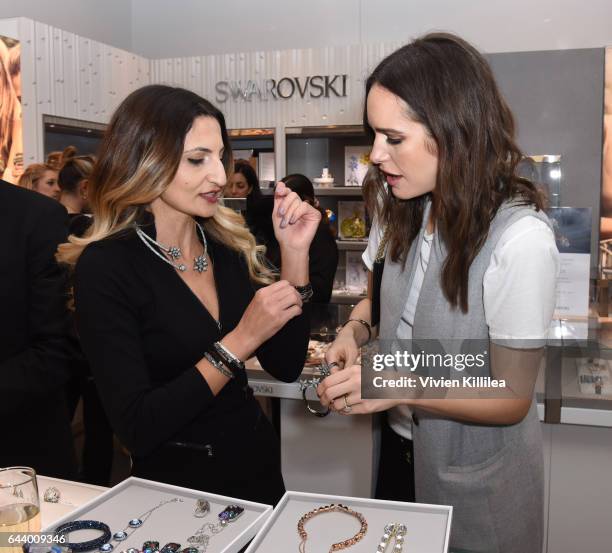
x=231, y=361
x=217, y=365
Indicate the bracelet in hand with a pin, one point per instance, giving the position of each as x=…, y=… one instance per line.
x=364, y=323
x=306, y=292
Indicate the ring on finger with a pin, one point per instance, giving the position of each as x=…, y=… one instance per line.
x=347, y=406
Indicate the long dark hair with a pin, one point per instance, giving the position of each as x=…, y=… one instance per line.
x=243, y=167
x=450, y=89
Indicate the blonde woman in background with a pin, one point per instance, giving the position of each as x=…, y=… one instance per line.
x=41, y=178
x=172, y=297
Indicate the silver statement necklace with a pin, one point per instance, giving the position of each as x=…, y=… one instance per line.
x=173, y=253
x=133, y=525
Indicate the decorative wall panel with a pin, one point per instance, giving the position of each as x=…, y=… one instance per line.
x=66, y=75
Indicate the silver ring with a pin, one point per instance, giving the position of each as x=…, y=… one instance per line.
x=333, y=364
x=52, y=495
x=347, y=408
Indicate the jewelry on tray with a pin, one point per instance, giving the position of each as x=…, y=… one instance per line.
x=150, y=547
x=331, y=509
x=76, y=525
x=200, y=539
x=134, y=524
x=202, y=508
x=396, y=531
x=324, y=370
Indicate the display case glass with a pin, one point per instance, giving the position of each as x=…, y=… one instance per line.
x=60, y=132
x=335, y=158
x=257, y=147
x=545, y=172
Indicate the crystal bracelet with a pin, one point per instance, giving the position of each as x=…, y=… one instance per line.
x=76, y=525
x=330, y=509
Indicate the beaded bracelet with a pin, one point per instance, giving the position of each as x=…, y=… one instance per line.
x=330, y=509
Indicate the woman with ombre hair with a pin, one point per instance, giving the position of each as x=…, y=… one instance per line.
x=172, y=297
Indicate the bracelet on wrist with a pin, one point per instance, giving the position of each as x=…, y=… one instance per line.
x=362, y=322
x=306, y=292
x=217, y=364
x=231, y=361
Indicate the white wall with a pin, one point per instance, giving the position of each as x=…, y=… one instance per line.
x=163, y=29
x=68, y=75
x=107, y=21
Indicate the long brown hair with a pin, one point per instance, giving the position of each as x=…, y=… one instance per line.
x=450, y=89
x=137, y=160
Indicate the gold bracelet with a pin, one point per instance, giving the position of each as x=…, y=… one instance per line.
x=330, y=509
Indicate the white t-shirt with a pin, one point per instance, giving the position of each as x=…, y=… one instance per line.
x=517, y=286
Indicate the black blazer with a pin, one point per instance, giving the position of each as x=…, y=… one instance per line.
x=35, y=346
x=142, y=330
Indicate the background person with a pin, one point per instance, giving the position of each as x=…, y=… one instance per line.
x=36, y=349
x=243, y=183
x=41, y=178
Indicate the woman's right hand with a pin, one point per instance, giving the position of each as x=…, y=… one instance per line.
x=270, y=309
x=344, y=350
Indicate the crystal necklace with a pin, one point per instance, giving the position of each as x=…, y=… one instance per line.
x=199, y=540
x=133, y=525
x=200, y=263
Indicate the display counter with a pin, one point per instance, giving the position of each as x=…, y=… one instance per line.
x=579, y=373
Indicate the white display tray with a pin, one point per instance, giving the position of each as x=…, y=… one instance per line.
x=173, y=522
x=428, y=525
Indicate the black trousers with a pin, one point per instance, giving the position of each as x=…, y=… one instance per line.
x=244, y=463
x=395, y=480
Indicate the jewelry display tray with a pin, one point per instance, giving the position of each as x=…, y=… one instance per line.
x=428, y=526
x=173, y=522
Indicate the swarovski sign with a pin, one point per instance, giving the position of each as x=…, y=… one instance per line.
x=315, y=86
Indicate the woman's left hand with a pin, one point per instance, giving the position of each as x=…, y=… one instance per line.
x=341, y=391
x=295, y=221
